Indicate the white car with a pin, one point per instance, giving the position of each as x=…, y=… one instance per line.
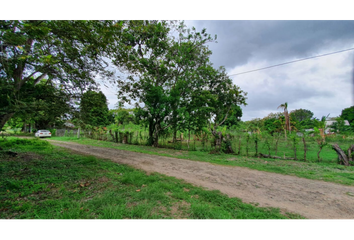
x=43, y=133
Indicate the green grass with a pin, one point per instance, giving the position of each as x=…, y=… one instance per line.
x=326, y=170
x=46, y=182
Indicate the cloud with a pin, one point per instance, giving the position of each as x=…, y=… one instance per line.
x=321, y=85
x=241, y=42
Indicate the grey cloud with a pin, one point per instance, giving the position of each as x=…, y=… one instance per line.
x=271, y=99
x=274, y=41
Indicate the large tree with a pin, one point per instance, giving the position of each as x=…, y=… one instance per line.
x=168, y=69
x=47, y=105
x=67, y=53
x=301, y=114
x=223, y=96
x=94, y=109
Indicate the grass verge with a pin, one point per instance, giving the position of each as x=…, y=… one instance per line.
x=328, y=171
x=45, y=182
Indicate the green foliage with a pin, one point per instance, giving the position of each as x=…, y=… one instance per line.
x=340, y=127
x=348, y=114
x=13, y=143
x=55, y=184
x=268, y=141
x=301, y=115
x=67, y=53
x=272, y=125
x=94, y=109
x=177, y=145
x=122, y=116
x=295, y=140
x=177, y=84
x=53, y=131
x=307, y=124
x=234, y=116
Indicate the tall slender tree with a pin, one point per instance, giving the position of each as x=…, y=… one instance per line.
x=287, y=127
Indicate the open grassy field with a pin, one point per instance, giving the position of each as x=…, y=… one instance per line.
x=326, y=170
x=46, y=182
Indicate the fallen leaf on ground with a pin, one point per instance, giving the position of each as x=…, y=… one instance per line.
x=138, y=190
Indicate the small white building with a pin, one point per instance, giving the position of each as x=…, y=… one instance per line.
x=330, y=122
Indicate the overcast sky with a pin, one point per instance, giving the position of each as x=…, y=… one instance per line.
x=322, y=85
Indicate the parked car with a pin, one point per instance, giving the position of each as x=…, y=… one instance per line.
x=43, y=133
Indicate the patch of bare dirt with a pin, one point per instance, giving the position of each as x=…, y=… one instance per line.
x=178, y=210
x=309, y=198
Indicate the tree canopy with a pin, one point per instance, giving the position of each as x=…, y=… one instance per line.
x=94, y=109
x=301, y=114
x=168, y=72
x=67, y=53
x=348, y=114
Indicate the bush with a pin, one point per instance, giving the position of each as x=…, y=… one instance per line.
x=53, y=131
x=177, y=145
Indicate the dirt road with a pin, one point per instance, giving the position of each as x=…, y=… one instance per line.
x=309, y=198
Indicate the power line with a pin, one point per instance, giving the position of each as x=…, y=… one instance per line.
x=303, y=59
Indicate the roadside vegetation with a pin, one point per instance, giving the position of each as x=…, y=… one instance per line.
x=326, y=170
x=46, y=182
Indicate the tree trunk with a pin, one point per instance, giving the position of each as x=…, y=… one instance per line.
x=78, y=133
x=116, y=134
x=125, y=138
x=218, y=140
x=343, y=158
x=318, y=154
x=174, y=135
x=4, y=118
x=150, y=141
x=156, y=140
x=189, y=137
x=156, y=136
